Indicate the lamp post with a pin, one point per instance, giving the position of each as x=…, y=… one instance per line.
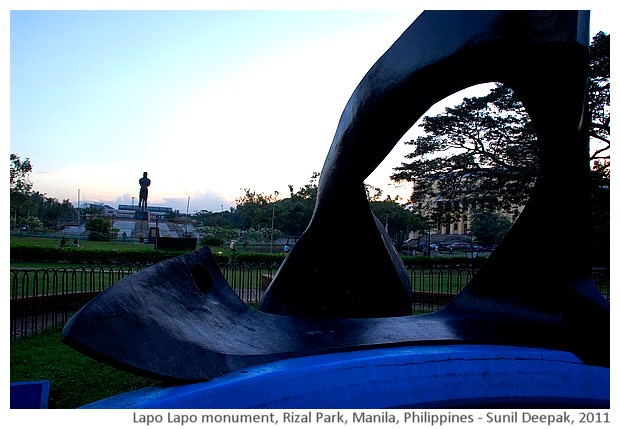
x=427, y=231
x=273, y=212
x=471, y=253
x=78, y=215
x=273, y=199
x=187, y=217
x=156, y=230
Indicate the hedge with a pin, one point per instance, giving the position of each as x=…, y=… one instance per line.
x=123, y=257
x=89, y=256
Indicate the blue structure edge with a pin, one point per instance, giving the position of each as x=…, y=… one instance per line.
x=30, y=394
x=438, y=376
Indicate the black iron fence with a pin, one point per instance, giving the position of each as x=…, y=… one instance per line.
x=45, y=299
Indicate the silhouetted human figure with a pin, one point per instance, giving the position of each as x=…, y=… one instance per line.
x=144, y=192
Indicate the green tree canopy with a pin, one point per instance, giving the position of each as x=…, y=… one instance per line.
x=599, y=98
x=290, y=215
x=99, y=229
x=21, y=204
x=483, y=153
x=52, y=212
x=489, y=228
x=19, y=174
x=255, y=209
x=397, y=219
x=28, y=204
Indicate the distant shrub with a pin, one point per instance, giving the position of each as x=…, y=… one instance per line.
x=211, y=241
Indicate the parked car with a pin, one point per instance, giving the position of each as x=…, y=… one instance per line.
x=459, y=246
x=443, y=247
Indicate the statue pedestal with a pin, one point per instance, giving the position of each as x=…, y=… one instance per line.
x=141, y=215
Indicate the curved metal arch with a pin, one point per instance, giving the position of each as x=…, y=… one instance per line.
x=542, y=55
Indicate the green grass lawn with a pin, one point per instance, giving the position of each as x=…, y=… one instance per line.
x=118, y=246
x=17, y=240
x=75, y=379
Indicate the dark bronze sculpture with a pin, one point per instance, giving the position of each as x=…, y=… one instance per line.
x=180, y=320
x=144, y=182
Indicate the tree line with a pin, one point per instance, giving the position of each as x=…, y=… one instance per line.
x=263, y=217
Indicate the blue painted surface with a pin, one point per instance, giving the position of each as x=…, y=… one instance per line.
x=448, y=376
x=30, y=394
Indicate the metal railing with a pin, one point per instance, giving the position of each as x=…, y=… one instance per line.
x=45, y=299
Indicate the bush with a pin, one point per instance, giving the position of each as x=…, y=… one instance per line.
x=99, y=229
x=211, y=241
x=76, y=255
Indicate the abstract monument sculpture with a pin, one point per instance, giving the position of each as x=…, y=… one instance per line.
x=179, y=320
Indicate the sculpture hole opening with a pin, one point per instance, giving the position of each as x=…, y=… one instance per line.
x=471, y=163
x=202, y=277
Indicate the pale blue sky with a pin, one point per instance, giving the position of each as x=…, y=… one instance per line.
x=208, y=102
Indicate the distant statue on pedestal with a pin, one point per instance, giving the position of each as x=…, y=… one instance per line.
x=145, y=182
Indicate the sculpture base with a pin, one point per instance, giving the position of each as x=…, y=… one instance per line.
x=176, y=243
x=142, y=215
x=461, y=376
